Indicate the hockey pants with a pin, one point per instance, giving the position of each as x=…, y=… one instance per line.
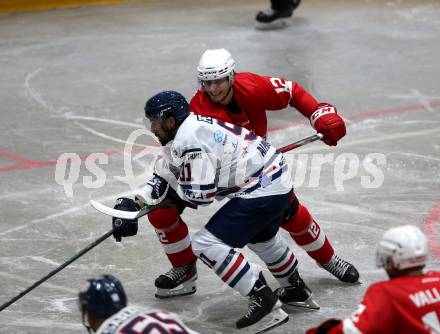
x=174, y=237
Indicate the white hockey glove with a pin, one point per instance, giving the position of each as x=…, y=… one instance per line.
x=154, y=191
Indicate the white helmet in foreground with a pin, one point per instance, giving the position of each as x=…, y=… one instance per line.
x=215, y=64
x=406, y=246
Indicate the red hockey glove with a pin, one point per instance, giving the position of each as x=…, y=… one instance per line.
x=325, y=120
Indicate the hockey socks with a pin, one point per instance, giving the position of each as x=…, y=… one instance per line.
x=278, y=257
x=308, y=234
x=173, y=235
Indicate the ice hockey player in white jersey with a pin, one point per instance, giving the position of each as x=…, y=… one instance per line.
x=216, y=159
x=205, y=159
x=103, y=306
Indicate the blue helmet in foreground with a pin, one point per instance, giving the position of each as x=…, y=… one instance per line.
x=103, y=296
x=167, y=103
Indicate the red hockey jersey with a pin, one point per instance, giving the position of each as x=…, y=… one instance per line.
x=404, y=305
x=254, y=95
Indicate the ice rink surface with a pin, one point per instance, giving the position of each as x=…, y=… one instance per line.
x=75, y=81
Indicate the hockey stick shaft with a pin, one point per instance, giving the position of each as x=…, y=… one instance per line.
x=300, y=143
x=58, y=269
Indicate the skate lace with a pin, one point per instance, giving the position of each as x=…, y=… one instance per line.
x=254, y=304
x=337, y=266
x=176, y=273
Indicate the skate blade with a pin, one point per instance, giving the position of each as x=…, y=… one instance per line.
x=358, y=282
x=277, y=24
x=308, y=304
x=185, y=289
x=275, y=318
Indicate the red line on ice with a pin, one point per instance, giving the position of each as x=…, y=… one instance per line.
x=23, y=163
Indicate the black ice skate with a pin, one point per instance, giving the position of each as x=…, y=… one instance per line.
x=297, y=294
x=342, y=270
x=264, y=312
x=276, y=18
x=179, y=281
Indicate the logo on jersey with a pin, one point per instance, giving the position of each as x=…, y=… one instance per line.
x=264, y=180
x=235, y=145
x=244, y=150
x=218, y=136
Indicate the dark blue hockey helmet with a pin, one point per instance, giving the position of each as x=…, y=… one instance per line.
x=102, y=296
x=167, y=103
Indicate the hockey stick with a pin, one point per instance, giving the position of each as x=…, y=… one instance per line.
x=146, y=209
x=65, y=264
x=119, y=213
x=301, y=142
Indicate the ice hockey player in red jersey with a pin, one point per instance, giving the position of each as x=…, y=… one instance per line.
x=103, y=306
x=408, y=303
x=243, y=99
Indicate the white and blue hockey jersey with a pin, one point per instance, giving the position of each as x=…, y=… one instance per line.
x=132, y=319
x=215, y=159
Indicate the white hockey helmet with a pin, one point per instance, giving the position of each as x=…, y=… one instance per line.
x=406, y=246
x=215, y=64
